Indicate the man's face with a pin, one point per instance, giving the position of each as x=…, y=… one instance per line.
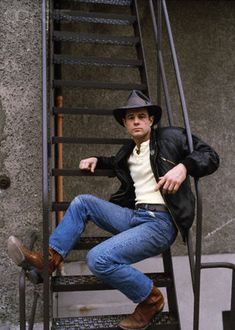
x=138, y=123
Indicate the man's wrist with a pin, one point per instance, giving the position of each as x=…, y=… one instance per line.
x=184, y=168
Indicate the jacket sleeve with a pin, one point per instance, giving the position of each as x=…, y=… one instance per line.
x=106, y=163
x=202, y=161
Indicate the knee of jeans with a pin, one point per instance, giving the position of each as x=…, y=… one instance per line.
x=83, y=198
x=97, y=262
x=79, y=199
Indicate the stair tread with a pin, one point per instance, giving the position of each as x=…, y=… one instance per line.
x=95, y=38
x=83, y=111
x=93, y=17
x=97, y=61
x=110, y=322
x=64, y=139
x=106, y=2
x=93, y=84
x=77, y=172
x=90, y=282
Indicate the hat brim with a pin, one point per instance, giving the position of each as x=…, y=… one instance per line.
x=153, y=110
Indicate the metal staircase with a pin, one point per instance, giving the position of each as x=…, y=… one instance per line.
x=75, y=25
x=71, y=26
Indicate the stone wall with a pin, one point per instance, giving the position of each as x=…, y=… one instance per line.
x=204, y=36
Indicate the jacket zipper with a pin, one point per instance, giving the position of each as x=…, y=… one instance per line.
x=168, y=161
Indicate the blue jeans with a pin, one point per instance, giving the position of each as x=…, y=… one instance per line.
x=139, y=234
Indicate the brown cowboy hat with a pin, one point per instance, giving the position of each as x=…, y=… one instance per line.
x=137, y=100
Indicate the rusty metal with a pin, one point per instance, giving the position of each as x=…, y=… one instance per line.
x=59, y=160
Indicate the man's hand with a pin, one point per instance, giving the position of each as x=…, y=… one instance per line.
x=88, y=164
x=172, y=180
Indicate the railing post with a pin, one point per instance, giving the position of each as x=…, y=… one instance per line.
x=232, y=313
x=197, y=276
x=33, y=311
x=159, y=46
x=22, y=300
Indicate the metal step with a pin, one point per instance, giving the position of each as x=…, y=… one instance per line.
x=56, y=139
x=89, y=282
x=106, y=2
x=77, y=172
x=83, y=111
x=165, y=321
x=97, y=61
x=73, y=16
x=95, y=38
x=91, y=84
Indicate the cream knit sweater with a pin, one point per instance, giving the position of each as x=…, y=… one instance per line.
x=143, y=177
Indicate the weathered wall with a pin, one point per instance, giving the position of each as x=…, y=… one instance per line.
x=204, y=35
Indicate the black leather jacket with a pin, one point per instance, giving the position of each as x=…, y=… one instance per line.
x=168, y=147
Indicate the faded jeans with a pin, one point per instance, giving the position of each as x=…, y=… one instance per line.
x=139, y=234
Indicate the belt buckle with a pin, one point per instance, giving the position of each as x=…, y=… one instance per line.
x=150, y=207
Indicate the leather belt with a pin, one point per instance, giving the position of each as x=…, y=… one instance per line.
x=153, y=207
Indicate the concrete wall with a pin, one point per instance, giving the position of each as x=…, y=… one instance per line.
x=204, y=35
x=20, y=136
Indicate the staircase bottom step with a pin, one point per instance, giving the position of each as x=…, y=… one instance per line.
x=165, y=321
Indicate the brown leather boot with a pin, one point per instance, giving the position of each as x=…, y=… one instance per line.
x=144, y=312
x=21, y=255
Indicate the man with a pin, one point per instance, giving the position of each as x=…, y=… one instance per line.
x=154, y=202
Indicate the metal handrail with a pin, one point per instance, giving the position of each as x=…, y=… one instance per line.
x=178, y=76
x=161, y=62
x=194, y=262
x=157, y=33
x=140, y=50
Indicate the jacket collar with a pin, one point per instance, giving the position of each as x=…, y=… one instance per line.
x=125, y=151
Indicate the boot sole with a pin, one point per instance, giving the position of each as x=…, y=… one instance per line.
x=157, y=314
x=14, y=251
